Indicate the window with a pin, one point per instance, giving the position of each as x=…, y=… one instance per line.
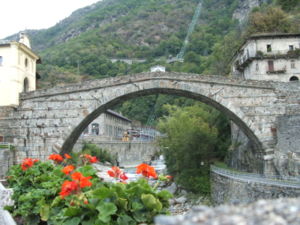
x=26, y=62
x=26, y=85
x=293, y=66
x=256, y=67
x=270, y=66
x=291, y=47
x=95, y=128
x=269, y=48
x=1, y=61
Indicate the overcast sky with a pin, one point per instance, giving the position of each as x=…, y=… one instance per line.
x=17, y=15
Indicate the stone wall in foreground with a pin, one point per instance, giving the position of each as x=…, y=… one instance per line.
x=263, y=212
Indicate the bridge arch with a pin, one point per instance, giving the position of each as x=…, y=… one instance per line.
x=137, y=88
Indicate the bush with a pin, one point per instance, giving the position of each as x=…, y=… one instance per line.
x=100, y=153
x=56, y=195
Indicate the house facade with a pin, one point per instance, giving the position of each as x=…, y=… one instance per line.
x=274, y=57
x=108, y=126
x=17, y=70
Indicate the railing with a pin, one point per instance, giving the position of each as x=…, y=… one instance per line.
x=288, y=181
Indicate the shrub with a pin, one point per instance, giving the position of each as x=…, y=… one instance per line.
x=50, y=193
x=100, y=153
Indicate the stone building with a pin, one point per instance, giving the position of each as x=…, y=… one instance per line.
x=158, y=68
x=17, y=70
x=108, y=126
x=274, y=57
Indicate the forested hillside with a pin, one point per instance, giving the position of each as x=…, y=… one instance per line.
x=82, y=46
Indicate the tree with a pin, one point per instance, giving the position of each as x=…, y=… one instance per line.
x=191, y=144
x=271, y=19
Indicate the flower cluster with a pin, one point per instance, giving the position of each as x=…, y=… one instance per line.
x=117, y=173
x=74, y=187
x=146, y=170
x=91, y=159
x=56, y=158
x=27, y=163
x=68, y=169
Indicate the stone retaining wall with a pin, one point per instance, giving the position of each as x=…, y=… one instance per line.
x=127, y=153
x=226, y=189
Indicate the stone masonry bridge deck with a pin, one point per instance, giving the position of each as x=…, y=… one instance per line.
x=53, y=119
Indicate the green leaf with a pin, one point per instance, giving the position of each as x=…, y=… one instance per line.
x=151, y=202
x=102, y=193
x=56, y=201
x=72, y=221
x=136, y=206
x=106, y=209
x=87, y=170
x=44, y=212
x=123, y=203
x=125, y=220
x=165, y=195
x=72, y=211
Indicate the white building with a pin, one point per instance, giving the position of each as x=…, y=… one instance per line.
x=273, y=57
x=109, y=126
x=17, y=70
x=158, y=69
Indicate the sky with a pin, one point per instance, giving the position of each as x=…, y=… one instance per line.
x=18, y=15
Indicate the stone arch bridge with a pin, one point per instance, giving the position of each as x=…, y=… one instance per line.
x=267, y=112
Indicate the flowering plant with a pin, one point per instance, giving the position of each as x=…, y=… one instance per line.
x=58, y=193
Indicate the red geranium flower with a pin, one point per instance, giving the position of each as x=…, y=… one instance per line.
x=92, y=159
x=117, y=173
x=68, y=187
x=123, y=176
x=27, y=163
x=68, y=169
x=146, y=170
x=56, y=157
x=67, y=156
x=83, y=181
x=114, y=172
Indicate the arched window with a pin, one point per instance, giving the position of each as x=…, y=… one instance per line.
x=26, y=85
x=294, y=78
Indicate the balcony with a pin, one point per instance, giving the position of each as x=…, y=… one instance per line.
x=280, y=71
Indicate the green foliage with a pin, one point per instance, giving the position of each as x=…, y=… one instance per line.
x=102, y=154
x=288, y=5
x=268, y=20
x=195, y=137
x=34, y=188
x=36, y=198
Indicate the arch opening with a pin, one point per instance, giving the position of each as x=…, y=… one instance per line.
x=294, y=78
x=79, y=129
x=25, y=85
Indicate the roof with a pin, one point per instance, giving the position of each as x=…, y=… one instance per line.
x=273, y=35
x=117, y=115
